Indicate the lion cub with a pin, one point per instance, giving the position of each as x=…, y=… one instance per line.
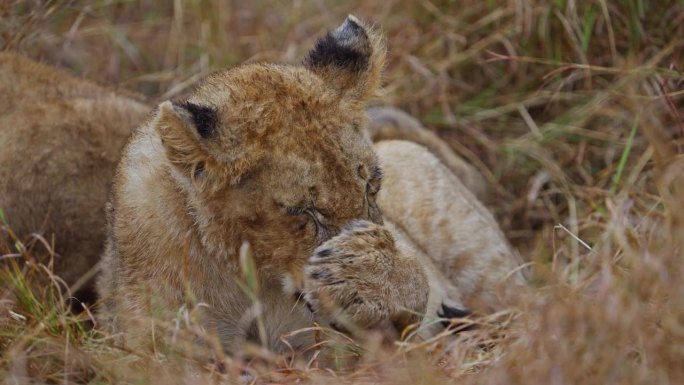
x=60, y=139
x=276, y=157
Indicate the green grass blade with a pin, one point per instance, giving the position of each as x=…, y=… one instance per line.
x=623, y=159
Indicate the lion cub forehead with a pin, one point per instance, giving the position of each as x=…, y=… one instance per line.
x=269, y=99
x=265, y=82
x=236, y=118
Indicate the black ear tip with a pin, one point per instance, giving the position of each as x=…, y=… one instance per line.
x=350, y=29
x=347, y=47
x=352, y=19
x=205, y=118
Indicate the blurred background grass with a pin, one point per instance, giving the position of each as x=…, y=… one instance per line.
x=540, y=95
x=572, y=109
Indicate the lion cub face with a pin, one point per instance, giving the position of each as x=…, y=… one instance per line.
x=275, y=155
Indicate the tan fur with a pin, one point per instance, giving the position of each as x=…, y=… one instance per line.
x=275, y=157
x=60, y=139
x=439, y=246
x=286, y=139
x=443, y=219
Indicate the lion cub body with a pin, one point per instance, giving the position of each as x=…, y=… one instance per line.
x=60, y=139
x=269, y=166
x=185, y=202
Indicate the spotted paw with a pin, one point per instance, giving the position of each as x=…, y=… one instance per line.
x=350, y=279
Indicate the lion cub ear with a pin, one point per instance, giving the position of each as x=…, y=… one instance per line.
x=350, y=59
x=184, y=128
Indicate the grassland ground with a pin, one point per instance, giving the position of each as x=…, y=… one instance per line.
x=573, y=110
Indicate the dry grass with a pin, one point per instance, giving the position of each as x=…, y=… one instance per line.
x=572, y=109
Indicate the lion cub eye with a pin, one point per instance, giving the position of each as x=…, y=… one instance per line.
x=291, y=211
x=198, y=170
x=310, y=217
x=374, y=181
x=294, y=211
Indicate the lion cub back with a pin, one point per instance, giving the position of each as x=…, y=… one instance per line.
x=60, y=139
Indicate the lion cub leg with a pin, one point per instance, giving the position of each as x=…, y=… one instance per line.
x=372, y=276
x=445, y=221
x=439, y=249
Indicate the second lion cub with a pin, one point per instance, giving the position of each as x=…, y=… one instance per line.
x=276, y=157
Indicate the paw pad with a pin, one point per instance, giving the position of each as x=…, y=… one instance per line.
x=320, y=274
x=323, y=253
x=454, y=312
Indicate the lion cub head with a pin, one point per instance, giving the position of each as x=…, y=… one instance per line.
x=275, y=155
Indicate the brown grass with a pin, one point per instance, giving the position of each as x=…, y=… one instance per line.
x=572, y=109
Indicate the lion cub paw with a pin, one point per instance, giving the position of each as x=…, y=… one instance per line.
x=347, y=279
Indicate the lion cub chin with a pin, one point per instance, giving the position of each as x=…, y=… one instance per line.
x=276, y=157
